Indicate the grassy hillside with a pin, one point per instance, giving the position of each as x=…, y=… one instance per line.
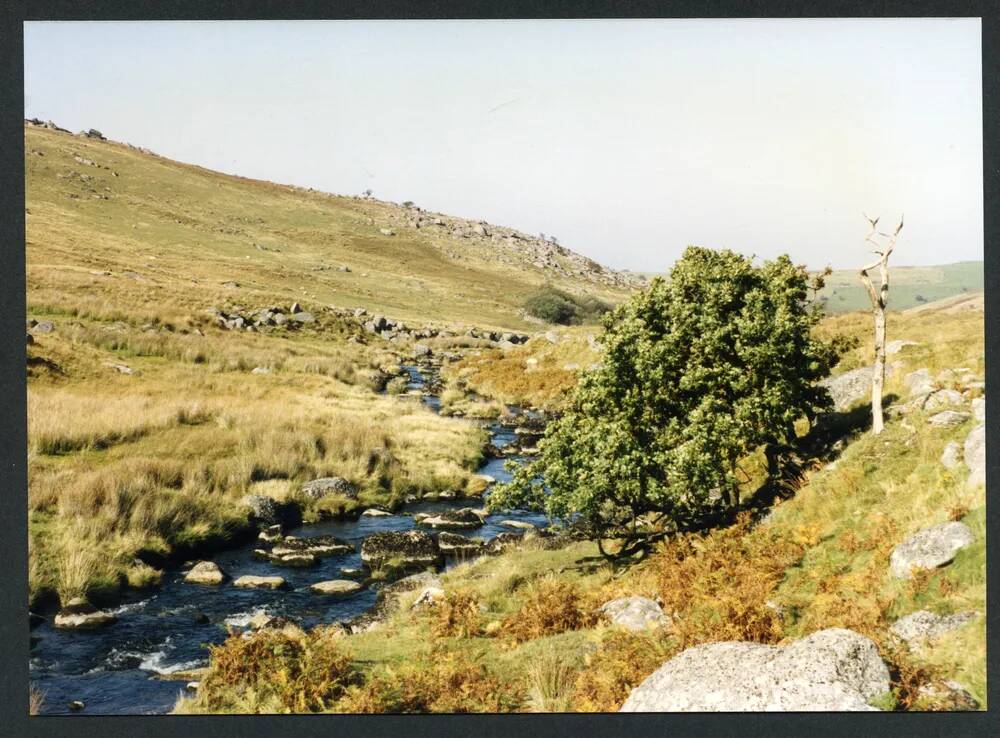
x=518, y=632
x=908, y=287
x=105, y=220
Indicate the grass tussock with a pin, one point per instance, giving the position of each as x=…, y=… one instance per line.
x=549, y=606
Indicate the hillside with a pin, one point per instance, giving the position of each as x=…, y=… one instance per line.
x=106, y=218
x=908, y=287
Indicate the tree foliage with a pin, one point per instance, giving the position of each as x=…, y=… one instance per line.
x=698, y=371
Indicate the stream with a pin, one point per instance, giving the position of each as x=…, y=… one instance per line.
x=119, y=669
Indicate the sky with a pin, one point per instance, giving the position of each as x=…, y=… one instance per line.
x=627, y=140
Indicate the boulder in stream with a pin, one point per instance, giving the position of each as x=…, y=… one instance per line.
x=205, y=572
x=250, y=581
x=78, y=614
x=411, y=548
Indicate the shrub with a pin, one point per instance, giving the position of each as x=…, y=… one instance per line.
x=457, y=615
x=555, y=306
x=550, y=606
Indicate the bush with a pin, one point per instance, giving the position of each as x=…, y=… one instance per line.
x=552, y=606
x=555, y=306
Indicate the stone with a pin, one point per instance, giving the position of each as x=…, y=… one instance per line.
x=270, y=534
x=412, y=548
x=552, y=337
x=336, y=587
x=260, y=370
x=205, y=572
x=249, y=581
x=453, y=544
x=303, y=317
x=78, y=614
x=943, y=398
x=317, y=489
x=267, y=511
x=951, y=457
x=502, y=542
x=635, y=613
x=922, y=626
x=76, y=705
x=929, y=548
x=313, y=545
x=295, y=308
x=297, y=560
x=847, y=388
x=373, y=512
x=519, y=524
x=948, y=418
x=456, y=519
x=894, y=347
x=43, y=326
x=979, y=409
x=948, y=695
x=974, y=453
x=831, y=670
x=420, y=349
x=429, y=597
x=919, y=382
x=387, y=231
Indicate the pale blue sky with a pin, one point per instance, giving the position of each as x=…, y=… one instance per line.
x=626, y=139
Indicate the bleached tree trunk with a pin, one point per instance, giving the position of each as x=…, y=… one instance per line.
x=879, y=299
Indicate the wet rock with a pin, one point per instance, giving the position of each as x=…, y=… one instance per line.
x=78, y=614
x=831, y=670
x=201, y=618
x=250, y=581
x=336, y=587
x=263, y=620
x=205, y=572
x=270, y=534
x=317, y=489
x=76, y=705
x=519, y=524
x=374, y=512
x=974, y=453
x=412, y=548
x=921, y=626
x=635, y=613
x=454, y=519
x=929, y=548
x=948, y=418
x=453, y=544
x=296, y=560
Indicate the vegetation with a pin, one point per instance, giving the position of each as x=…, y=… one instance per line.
x=697, y=373
x=556, y=306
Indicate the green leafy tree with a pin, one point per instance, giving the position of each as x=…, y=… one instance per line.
x=698, y=371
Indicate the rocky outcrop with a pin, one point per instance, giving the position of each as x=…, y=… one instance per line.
x=635, y=613
x=831, y=670
x=410, y=548
x=266, y=511
x=237, y=319
x=317, y=489
x=922, y=626
x=951, y=457
x=336, y=587
x=929, y=549
x=847, y=388
x=205, y=572
x=948, y=418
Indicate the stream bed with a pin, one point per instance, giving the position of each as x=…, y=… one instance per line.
x=119, y=669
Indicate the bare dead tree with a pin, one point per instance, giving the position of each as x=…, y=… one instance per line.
x=884, y=243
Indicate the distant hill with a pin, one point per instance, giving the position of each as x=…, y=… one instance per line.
x=908, y=286
x=178, y=232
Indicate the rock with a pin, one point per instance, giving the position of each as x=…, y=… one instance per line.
x=267, y=511
x=231, y=285
x=120, y=368
x=951, y=456
x=270, y=534
x=502, y=542
x=279, y=319
x=412, y=548
x=295, y=308
x=420, y=349
x=456, y=519
x=78, y=614
x=76, y=705
x=94, y=133
x=948, y=418
x=373, y=512
x=552, y=337
x=429, y=597
x=847, y=388
x=205, y=572
x=831, y=670
x=303, y=317
x=979, y=409
x=387, y=231
x=974, y=453
x=919, y=382
x=349, y=571
x=260, y=370
x=453, y=544
x=201, y=618
x=943, y=398
x=320, y=488
x=249, y=581
x=930, y=548
x=262, y=620
x=894, y=347
x=336, y=587
x=313, y=545
x=297, y=560
x=948, y=695
x=922, y=626
x=191, y=686
x=519, y=524
x=635, y=613
x=43, y=326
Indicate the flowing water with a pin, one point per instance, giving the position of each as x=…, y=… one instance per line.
x=116, y=669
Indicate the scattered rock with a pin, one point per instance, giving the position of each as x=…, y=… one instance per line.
x=320, y=488
x=249, y=581
x=831, y=670
x=303, y=317
x=929, y=548
x=951, y=456
x=922, y=626
x=948, y=418
x=919, y=382
x=974, y=453
x=635, y=613
x=205, y=572
x=336, y=587
x=412, y=548
x=270, y=534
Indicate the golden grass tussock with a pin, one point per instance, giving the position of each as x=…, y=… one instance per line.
x=549, y=606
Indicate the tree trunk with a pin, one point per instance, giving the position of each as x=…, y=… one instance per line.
x=878, y=376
